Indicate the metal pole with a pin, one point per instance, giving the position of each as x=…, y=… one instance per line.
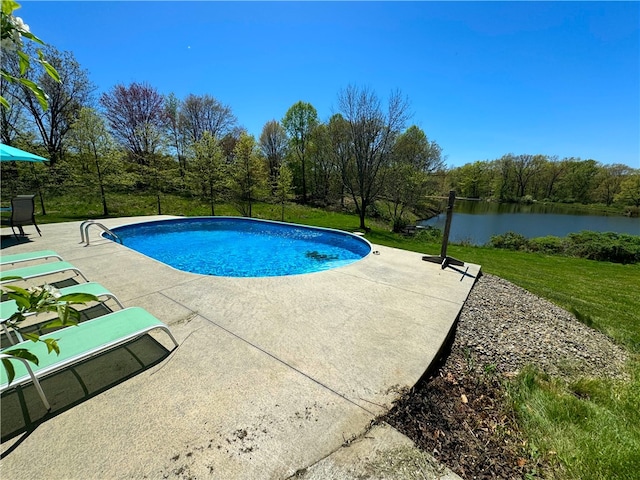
x=443, y=259
x=447, y=224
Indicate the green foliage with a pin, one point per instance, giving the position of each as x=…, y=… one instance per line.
x=13, y=30
x=629, y=192
x=35, y=300
x=549, y=245
x=607, y=246
x=509, y=240
x=601, y=246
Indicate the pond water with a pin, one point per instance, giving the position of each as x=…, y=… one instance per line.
x=476, y=222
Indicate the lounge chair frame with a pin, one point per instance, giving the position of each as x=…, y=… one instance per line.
x=133, y=322
x=35, y=271
x=9, y=307
x=28, y=257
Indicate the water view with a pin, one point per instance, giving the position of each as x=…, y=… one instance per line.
x=476, y=222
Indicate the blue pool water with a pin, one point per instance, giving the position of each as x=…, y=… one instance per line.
x=242, y=247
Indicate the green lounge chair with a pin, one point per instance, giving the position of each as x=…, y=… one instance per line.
x=9, y=307
x=26, y=257
x=79, y=343
x=42, y=270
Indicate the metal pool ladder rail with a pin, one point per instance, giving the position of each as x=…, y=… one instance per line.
x=84, y=231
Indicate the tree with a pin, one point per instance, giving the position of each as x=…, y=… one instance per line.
x=175, y=131
x=299, y=122
x=323, y=171
x=283, y=190
x=372, y=133
x=408, y=177
x=578, y=180
x=136, y=118
x=273, y=145
x=95, y=150
x=609, y=181
x=525, y=167
x=472, y=180
x=630, y=191
x=200, y=114
x=340, y=149
x=65, y=99
x=247, y=174
x=209, y=167
x=551, y=174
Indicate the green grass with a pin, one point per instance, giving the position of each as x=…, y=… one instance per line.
x=589, y=427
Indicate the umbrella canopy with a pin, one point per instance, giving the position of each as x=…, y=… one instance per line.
x=11, y=154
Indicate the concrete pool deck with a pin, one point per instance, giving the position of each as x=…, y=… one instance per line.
x=274, y=377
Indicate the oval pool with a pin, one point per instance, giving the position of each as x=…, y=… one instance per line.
x=242, y=247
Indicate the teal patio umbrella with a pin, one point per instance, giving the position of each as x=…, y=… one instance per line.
x=12, y=154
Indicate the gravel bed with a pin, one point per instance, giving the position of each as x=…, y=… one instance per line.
x=509, y=327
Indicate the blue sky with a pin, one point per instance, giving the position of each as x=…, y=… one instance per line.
x=483, y=78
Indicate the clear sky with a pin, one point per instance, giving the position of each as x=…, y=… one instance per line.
x=483, y=78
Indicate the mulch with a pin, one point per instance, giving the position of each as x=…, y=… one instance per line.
x=461, y=416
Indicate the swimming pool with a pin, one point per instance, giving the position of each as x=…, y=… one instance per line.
x=242, y=247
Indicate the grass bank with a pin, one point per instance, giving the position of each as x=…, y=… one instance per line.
x=589, y=427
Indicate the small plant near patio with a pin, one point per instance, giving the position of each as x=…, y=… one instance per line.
x=34, y=300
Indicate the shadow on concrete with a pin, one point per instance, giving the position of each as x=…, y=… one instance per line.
x=22, y=410
x=9, y=240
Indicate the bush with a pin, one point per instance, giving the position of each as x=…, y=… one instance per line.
x=550, y=245
x=399, y=224
x=607, y=246
x=604, y=247
x=429, y=234
x=509, y=241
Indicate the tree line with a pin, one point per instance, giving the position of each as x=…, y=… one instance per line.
x=367, y=157
x=527, y=178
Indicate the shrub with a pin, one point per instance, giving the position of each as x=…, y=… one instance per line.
x=509, y=241
x=604, y=246
x=549, y=245
x=429, y=234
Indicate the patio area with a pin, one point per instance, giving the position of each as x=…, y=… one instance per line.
x=274, y=377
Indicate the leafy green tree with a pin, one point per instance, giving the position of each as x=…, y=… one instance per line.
x=324, y=175
x=283, y=190
x=408, y=178
x=578, y=181
x=248, y=175
x=525, y=168
x=608, y=182
x=299, y=122
x=551, y=177
x=472, y=180
x=372, y=134
x=96, y=163
x=209, y=167
x=630, y=191
x=504, y=183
